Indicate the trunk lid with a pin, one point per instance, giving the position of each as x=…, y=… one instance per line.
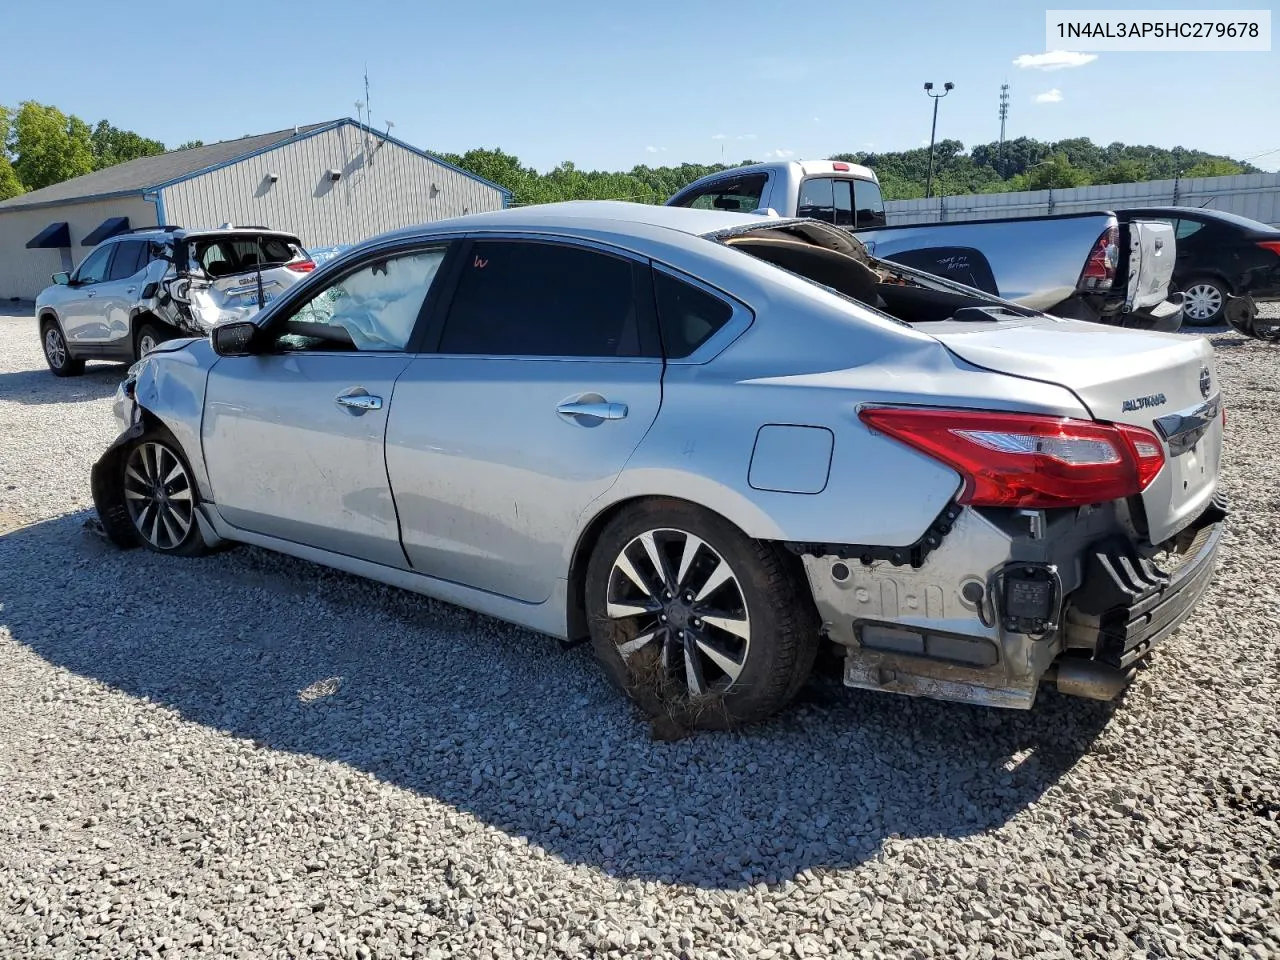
x=1165, y=383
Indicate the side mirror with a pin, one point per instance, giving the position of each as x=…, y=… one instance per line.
x=234, y=339
x=62, y=278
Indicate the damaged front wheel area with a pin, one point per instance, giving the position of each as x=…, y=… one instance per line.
x=146, y=495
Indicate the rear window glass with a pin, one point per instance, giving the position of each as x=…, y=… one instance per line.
x=220, y=256
x=740, y=195
x=869, y=204
x=689, y=316
x=817, y=200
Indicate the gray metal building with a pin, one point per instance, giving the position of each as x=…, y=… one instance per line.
x=329, y=183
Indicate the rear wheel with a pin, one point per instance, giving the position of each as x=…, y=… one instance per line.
x=148, y=338
x=159, y=493
x=698, y=623
x=56, y=352
x=1203, y=301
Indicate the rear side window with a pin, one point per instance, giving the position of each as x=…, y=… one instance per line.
x=530, y=299
x=869, y=204
x=1186, y=228
x=740, y=195
x=688, y=315
x=131, y=256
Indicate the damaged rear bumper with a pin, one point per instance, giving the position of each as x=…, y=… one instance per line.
x=998, y=607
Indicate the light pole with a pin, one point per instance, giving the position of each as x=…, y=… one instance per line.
x=933, y=134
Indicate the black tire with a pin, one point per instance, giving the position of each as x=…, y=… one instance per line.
x=56, y=352
x=767, y=595
x=164, y=524
x=148, y=332
x=1201, y=293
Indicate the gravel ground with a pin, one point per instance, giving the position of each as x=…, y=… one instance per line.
x=249, y=756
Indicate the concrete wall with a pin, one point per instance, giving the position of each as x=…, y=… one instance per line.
x=1253, y=195
x=389, y=188
x=24, y=273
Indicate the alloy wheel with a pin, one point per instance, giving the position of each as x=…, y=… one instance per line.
x=55, y=348
x=146, y=343
x=678, y=595
x=1202, y=301
x=157, y=491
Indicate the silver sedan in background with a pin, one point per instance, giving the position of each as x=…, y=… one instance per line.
x=707, y=442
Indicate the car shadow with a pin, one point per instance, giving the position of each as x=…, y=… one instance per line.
x=39, y=386
x=495, y=721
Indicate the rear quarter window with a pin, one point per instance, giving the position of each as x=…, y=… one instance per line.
x=688, y=315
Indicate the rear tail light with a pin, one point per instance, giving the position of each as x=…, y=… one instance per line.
x=1023, y=460
x=1272, y=245
x=302, y=266
x=1100, y=269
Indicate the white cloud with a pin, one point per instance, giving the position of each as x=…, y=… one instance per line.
x=746, y=136
x=869, y=144
x=719, y=136
x=1049, y=96
x=779, y=154
x=1054, y=60
x=817, y=119
x=655, y=149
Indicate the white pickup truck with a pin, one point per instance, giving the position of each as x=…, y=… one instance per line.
x=1086, y=266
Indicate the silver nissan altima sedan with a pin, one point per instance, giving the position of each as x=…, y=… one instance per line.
x=706, y=442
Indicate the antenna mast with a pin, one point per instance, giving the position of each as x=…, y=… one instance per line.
x=1004, y=115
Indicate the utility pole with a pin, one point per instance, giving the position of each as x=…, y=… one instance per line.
x=1004, y=115
x=933, y=135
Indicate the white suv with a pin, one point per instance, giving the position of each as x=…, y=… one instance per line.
x=138, y=289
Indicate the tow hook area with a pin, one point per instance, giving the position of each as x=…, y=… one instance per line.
x=1091, y=679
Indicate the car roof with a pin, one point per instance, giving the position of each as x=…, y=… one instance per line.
x=598, y=216
x=1199, y=213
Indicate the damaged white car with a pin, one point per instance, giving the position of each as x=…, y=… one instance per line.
x=140, y=288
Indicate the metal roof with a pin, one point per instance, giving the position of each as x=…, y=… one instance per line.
x=144, y=173
x=149, y=173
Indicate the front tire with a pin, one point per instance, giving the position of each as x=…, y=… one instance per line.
x=1204, y=300
x=695, y=621
x=158, y=492
x=56, y=352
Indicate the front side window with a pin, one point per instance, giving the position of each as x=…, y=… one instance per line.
x=530, y=299
x=131, y=256
x=94, y=267
x=374, y=308
x=738, y=195
x=817, y=200
x=869, y=204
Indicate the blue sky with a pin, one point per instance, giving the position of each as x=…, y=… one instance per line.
x=609, y=86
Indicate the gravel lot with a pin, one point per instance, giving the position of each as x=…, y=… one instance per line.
x=250, y=756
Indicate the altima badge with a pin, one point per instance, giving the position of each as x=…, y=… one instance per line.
x=1141, y=403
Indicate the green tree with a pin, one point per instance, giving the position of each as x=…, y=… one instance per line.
x=1215, y=167
x=189, y=144
x=111, y=145
x=48, y=146
x=10, y=185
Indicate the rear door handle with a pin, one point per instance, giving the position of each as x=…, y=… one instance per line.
x=359, y=402
x=587, y=410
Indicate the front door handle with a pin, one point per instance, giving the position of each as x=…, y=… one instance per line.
x=591, y=409
x=359, y=401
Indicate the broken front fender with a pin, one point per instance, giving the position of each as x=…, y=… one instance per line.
x=106, y=480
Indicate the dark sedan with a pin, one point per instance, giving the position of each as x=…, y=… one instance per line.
x=1220, y=255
